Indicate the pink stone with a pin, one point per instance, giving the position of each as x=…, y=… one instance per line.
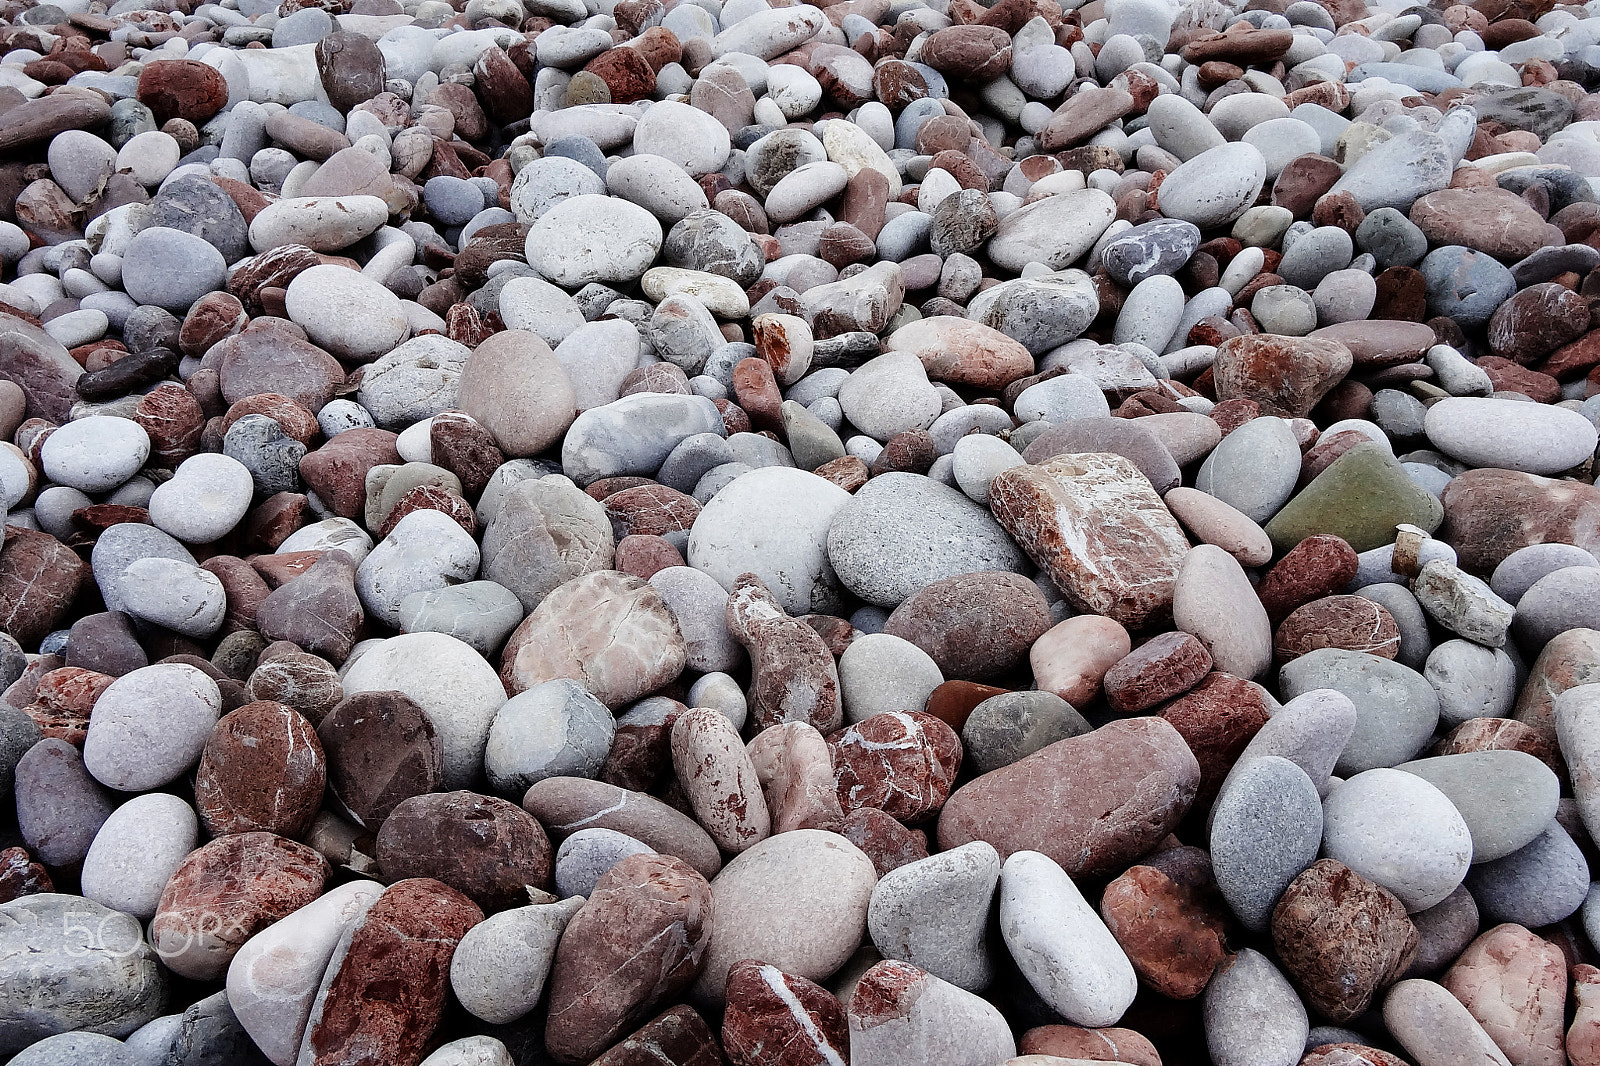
x=1072, y=659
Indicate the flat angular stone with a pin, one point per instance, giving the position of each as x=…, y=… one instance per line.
x=1097, y=527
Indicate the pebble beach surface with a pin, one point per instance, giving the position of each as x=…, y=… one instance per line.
x=734, y=533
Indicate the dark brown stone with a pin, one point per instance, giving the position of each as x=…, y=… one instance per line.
x=653, y=510
x=644, y=556
x=1302, y=182
x=1537, y=321
x=1096, y=1045
x=387, y=994
x=21, y=876
x=263, y=769
x=351, y=68
x=483, y=846
x=465, y=448
x=638, y=941
x=901, y=762
x=173, y=419
x=1158, y=670
x=265, y=359
x=244, y=589
x=225, y=893
x=381, y=749
x=802, y=1026
x=305, y=682
x=1341, y=938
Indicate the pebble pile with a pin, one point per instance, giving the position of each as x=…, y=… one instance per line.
x=743, y=533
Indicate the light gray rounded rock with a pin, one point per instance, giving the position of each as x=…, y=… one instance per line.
x=879, y=672
x=76, y=1049
x=901, y=532
x=170, y=268
x=1060, y=943
x=1061, y=399
x=1252, y=1015
x=1471, y=681
x=68, y=963
x=150, y=725
x=978, y=459
x=1541, y=883
x=1518, y=572
x=700, y=606
x=1266, y=828
x=1214, y=187
x=934, y=914
x=594, y=238
x=205, y=499
x=773, y=523
x=1506, y=798
x=1214, y=600
x=137, y=850
x=1397, y=709
x=634, y=435
x=417, y=380
x=471, y=1051
x=1510, y=434
x=890, y=394
x=587, y=854
x=179, y=596
x=479, y=613
x=1401, y=831
x=1563, y=599
x=1254, y=469
x=556, y=729
x=95, y=454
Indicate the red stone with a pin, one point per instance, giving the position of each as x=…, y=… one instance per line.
x=263, y=769
x=1174, y=932
x=974, y=626
x=638, y=942
x=901, y=762
x=677, y=1037
x=485, y=847
x=804, y=1025
x=1353, y=623
x=1317, y=566
x=888, y=843
x=1488, y=514
x=64, y=701
x=39, y=579
x=1217, y=719
x=388, y=993
x=1161, y=668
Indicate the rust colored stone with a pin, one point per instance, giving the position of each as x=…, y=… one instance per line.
x=39, y=579
x=1317, y=566
x=1341, y=938
x=1353, y=623
x=64, y=701
x=173, y=419
x=1488, y=514
x=262, y=770
x=1160, y=669
x=337, y=471
x=1217, y=719
x=804, y=1025
x=901, y=762
x=889, y=843
x=1174, y=933
x=1095, y=1045
x=974, y=626
x=387, y=993
x=637, y=942
x=21, y=876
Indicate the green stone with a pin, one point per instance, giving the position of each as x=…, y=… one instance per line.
x=1361, y=497
x=811, y=440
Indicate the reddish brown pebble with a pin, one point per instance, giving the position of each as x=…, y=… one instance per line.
x=21, y=876
x=1352, y=623
x=1341, y=938
x=483, y=846
x=263, y=769
x=64, y=701
x=1174, y=932
x=974, y=626
x=901, y=762
x=645, y=555
x=1096, y=1045
x=381, y=748
x=677, y=1037
x=778, y=1019
x=1161, y=668
x=1217, y=719
x=890, y=844
x=638, y=941
x=384, y=996
x=1315, y=567
x=954, y=701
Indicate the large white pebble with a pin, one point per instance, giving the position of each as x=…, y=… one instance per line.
x=349, y=314
x=137, y=850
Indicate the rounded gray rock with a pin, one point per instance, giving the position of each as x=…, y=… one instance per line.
x=1266, y=829
x=556, y=729
x=934, y=914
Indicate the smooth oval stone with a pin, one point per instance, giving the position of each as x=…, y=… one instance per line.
x=734, y=534
x=263, y=769
x=587, y=854
x=901, y=532
x=636, y=943
x=1506, y=798
x=1061, y=945
x=273, y=979
x=1139, y=768
x=471, y=1050
x=1522, y=569
x=225, y=893
x=900, y=1014
x=381, y=748
x=60, y=807
x=1559, y=602
x=1252, y=1014
x=78, y=965
x=718, y=779
x=1509, y=434
x=797, y=900
x=150, y=726
x=934, y=914
x=1266, y=828
x=1539, y=884
x=345, y=312
x=1434, y=1027
x=499, y=969
x=557, y=729
x=565, y=805
x=1254, y=469
x=137, y=851
x=75, y=1049
x=1214, y=601
x=1398, y=830
x=1397, y=709
x=488, y=849
x=1006, y=728
x=1215, y=187
x=589, y=238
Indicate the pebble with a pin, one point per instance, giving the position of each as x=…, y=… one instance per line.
x=1401, y=831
